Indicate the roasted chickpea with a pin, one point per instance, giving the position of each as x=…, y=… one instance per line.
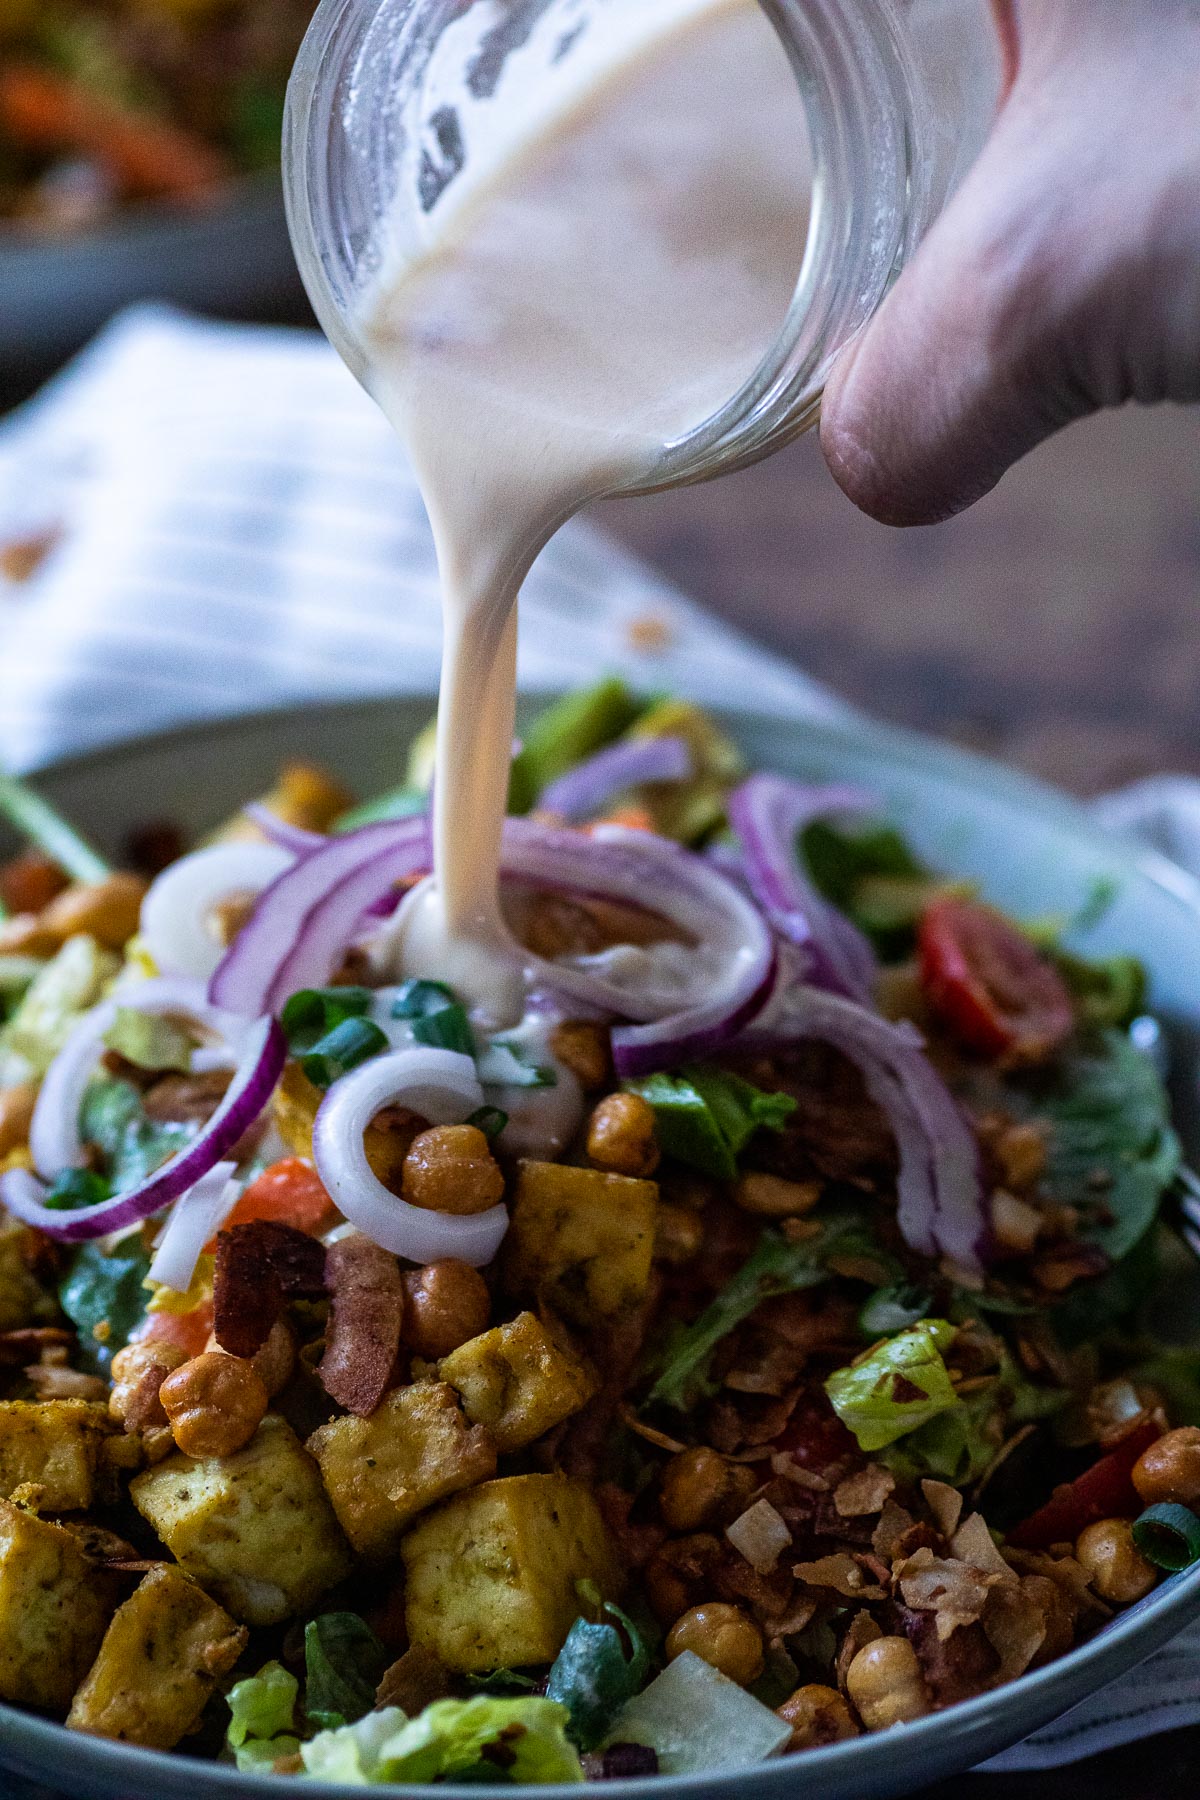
x=274, y=1361
x=1170, y=1469
x=451, y=1169
x=817, y=1715
x=215, y=1404
x=1015, y=1224
x=678, y=1233
x=1021, y=1152
x=720, y=1635
x=700, y=1488
x=1115, y=1566
x=771, y=1197
x=621, y=1135
x=680, y=1574
x=138, y=1373
x=886, y=1684
x=584, y=1048
x=107, y=910
x=445, y=1304
x=16, y=1116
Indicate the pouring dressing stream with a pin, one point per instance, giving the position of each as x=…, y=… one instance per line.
x=608, y=287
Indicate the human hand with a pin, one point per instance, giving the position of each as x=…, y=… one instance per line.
x=1063, y=277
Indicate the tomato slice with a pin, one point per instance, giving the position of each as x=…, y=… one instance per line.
x=288, y=1193
x=988, y=984
x=189, y=1331
x=1105, y=1491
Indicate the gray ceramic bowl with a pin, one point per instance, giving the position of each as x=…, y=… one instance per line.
x=1032, y=850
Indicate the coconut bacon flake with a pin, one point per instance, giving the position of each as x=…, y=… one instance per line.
x=760, y=1535
x=365, y=1317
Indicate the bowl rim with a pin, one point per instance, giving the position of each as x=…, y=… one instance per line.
x=138, y=224
x=1159, y=1616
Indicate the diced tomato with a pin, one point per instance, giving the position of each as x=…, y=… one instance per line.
x=288, y=1193
x=989, y=985
x=1105, y=1491
x=190, y=1331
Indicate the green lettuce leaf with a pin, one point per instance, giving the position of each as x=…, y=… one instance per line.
x=343, y=1661
x=566, y=733
x=262, y=1706
x=484, y=1739
x=601, y=1666
x=150, y=1042
x=105, y=1299
x=133, y=1146
x=67, y=987
x=869, y=872
x=706, y=1117
x=899, y=1387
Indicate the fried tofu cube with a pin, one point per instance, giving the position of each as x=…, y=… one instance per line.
x=255, y=1529
x=414, y=1450
x=54, y=1606
x=491, y=1574
x=515, y=1380
x=51, y=1449
x=581, y=1239
x=158, y=1664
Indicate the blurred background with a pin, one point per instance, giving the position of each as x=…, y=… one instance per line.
x=1057, y=625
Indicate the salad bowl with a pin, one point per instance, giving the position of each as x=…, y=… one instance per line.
x=1031, y=851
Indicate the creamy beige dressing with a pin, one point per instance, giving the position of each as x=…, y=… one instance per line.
x=604, y=292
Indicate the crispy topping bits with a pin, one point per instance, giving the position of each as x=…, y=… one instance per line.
x=363, y=1335
x=865, y=1493
x=841, y=1572
x=952, y=1590
x=945, y=1503
x=761, y=1536
x=260, y=1267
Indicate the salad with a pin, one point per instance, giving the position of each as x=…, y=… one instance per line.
x=108, y=102
x=751, y=1349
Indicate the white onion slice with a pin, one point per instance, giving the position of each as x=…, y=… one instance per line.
x=176, y=913
x=443, y=1087
x=191, y=1222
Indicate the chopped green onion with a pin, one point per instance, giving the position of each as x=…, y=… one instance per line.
x=417, y=999
x=352, y=1042
x=78, y=1187
x=37, y=820
x=892, y=1309
x=1168, y=1536
x=490, y=1120
x=447, y=1029
x=500, y=1064
x=313, y=1013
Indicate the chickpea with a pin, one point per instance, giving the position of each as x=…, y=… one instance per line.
x=451, y=1169
x=771, y=1197
x=886, y=1684
x=584, y=1048
x=817, y=1715
x=1170, y=1469
x=621, y=1135
x=16, y=1116
x=1015, y=1224
x=1115, y=1567
x=722, y=1636
x=215, y=1404
x=445, y=1304
x=1021, y=1153
x=273, y=1362
x=138, y=1373
x=678, y=1233
x=680, y=1573
x=107, y=910
x=25, y=935
x=699, y=1488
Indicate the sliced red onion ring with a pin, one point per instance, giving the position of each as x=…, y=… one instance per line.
x=193, y=1219
x=768, y=813
x=942, y=1206
x=589, y=787
x=265, y=1052
x=277, y=831
x=54, y=1134
x=442, y=1086
x=176, y=913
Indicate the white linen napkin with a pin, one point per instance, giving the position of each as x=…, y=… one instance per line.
x=234, y=525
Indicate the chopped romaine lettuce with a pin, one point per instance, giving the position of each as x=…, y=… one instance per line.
x=65, y=989
x=698, y=1720
x=486, y=1738
x=706, y=1117
x=869, y=872
x=600, y=1667
x=691, y=810
x=398, y=803
x=565, y=734
x=343, y=1661
x=105, y=1300
x=150, y=1042
x=900, y=1386
x=263, y=1705
x=1107, y=993
x=133, y=1146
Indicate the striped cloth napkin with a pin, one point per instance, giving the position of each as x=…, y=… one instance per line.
x=213, y=518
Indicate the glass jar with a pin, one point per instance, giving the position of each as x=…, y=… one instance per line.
x=392, y=102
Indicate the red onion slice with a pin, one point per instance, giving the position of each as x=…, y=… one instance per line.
x=590, y=786
x=942, y=1205
x=263, y=1058
x=54, y=1133
x=193, y=1220
x=277, y=831
x=768, y=813
x=443, y=1087
x=176, y=913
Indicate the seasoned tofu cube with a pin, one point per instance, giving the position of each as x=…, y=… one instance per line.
x=158, y=1663
x=581, y=1239
x=414, y=1450
x=255, y=1529
x=492, y=1574
x=54, y=1606
x=517, y=1381
x=51, y=1449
